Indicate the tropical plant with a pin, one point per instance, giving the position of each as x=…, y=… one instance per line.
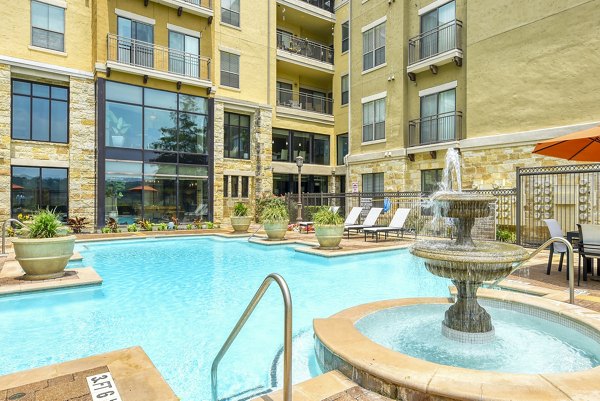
x=77, y=224
x=210, y=224
x=198, y=223
x=505, y=235
x=132, y=228
x=106, y=230
x=326, y=217
x=162, y=227
x=112, y=225
x=240, y=210
x=175, y=222
x=145, y=225
x=274, y=210
x=45, y=224
x=189, y=226
x=117, y=125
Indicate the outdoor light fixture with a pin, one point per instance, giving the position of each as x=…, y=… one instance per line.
x=178, y=85
x=299, y=163
x=179, y=11
x=145, y=79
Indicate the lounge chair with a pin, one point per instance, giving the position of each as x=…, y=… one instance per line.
x=306, y=224
x=396, y=225
x=370, y=221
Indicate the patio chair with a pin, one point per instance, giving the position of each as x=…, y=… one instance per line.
x=396, y=225
x=589, y=247
x=353, y=216
x=370, y=221
x=306, y=224
x=556, y=231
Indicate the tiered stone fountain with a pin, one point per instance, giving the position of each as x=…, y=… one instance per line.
x=466, y=262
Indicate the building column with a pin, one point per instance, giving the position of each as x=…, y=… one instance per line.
x=82, y=149
x=5, y=130
x=219, y=138
x=264, y=149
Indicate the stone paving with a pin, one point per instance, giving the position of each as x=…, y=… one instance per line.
x=357, y=394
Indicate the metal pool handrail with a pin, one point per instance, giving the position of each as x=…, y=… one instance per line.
x=569, y=263
x=4, y=233
x=287, y=344
x=254, y=233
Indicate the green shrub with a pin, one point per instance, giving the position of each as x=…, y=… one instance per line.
x=132, y=228
x=106, y=230
x=325, y=217
x=162, y=227
x=112, y=225
x=240, y=210
x=505, y=235
x=45, y=224
x=189, y=226
x=145, y=225
x=210, y=224
x=274, y=210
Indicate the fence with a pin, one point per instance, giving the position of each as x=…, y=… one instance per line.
x=420, y=219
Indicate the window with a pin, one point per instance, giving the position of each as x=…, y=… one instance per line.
x=234, y=186
x=342, y=148
x=439, y=35
x=135, y=42
x=345, y=90
x=280, y=142
x=345, y=36
x=430, y=180
x=225, y=186
x=438, y=117
x=230, y=12
x=183, y=54
x=34, y=188
x=230, y=69
x=245, y=182
x=313, y=148
x=288, y=183
x=374, y=47
x=47, y=26
x=374, y=120
x=40, y=112
x=372, y=182
x=237, y=136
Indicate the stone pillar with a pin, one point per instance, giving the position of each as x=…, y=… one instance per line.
x=219, y=138
x=264, y=148
x=82, y=145
x=4, y=142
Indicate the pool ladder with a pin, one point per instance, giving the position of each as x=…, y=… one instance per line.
x=287, y=333
x=4, y=233
x=254, y=233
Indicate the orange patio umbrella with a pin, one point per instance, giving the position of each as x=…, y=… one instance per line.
x=144, y=188
x=583, y=146
x=15, y=186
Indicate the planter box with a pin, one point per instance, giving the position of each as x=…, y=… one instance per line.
x=43, y=258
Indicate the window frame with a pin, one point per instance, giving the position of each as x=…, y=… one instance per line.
x=373, y=104
x=40, y=187
x=438, y=172
x=371, y=54
x=245, y=190
x=345, y=92
x=231, y=12
x=229, y=55
x=311, y=139
x=63, y=33
x=337, y=147
x=372, y=177
x=31, y=96
x=228, y=153
x=345, y=45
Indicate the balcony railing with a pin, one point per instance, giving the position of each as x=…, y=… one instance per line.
x=136, y=53
x=200, y=3
x=443, y=127
x=326, y=5
x=436, y=41
x=304, y=101
x=304, y=47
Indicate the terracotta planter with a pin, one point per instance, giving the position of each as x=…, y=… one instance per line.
x=43, y=258
x=240, y=224
x=276, y=230
x=329, y=237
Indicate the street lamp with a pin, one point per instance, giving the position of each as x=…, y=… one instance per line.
x=299, y=163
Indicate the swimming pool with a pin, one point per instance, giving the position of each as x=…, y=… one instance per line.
x=179, y=298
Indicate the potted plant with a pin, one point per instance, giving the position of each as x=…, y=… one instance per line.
x=114, y=191
x=240, y=221
x=118, y=129
x=45, y=249
x=275, y=218
x=329, y=227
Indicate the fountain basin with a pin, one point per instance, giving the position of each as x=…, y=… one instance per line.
x=463, y=205
x=340, y=345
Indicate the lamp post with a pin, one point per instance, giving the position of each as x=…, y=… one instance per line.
x=299, y=163
x=332, y=187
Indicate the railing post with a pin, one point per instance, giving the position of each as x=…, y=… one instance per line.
x=518, y=211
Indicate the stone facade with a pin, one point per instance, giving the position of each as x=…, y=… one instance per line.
x=4, y=142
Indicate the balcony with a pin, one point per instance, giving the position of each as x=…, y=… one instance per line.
x=137, y=57
x=304, y=106
x=437, y=47
x=322, y=9
x=202, y=8
x=304, y=52
x=445, y=127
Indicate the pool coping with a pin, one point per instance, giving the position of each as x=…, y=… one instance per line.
x=135, y=375
x=341, y=346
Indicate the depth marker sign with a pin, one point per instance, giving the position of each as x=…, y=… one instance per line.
x=103, y=387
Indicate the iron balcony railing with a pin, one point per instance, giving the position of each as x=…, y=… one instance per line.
x=436, y=41
x=304, y=101
x=304, y=47
x=326, y=5
x=137, y=53
x=443, y=127
x=200, y=3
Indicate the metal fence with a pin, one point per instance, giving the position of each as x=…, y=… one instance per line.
x=570, y=194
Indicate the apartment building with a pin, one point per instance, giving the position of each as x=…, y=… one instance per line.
x=153, y=109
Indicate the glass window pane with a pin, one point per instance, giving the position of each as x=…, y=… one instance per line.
x=280, y=145
x=380, y=56
x=379, y=36
x=56, y=19
x=39, y=15
x=192, y=133
x=123, y=196
x=234, y=186
x=40, y=119
x=160, y=199
x=226, y=186
x=124, y=27
x=59, y=121
x=234, y=5
x=55, y=41
x=193, y=104
x=368, y=41
x=320, y=149
x=123, y=92
x=200, y=171
x=160, y=169
x=245, y=188
x=158, y=98
x=114, y=167
x=123, y=125
x=21, y=114
x=193, y=200
x=176, y=41
x=59, y=93
x=368, y=61
x=160, y=129
x=25, y=190
x=54, y=191
x=301, y=146
x=39, y=37
x=41, y=90
x=20, y=87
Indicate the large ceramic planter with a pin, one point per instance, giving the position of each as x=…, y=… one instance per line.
x=329, y=237
x=240, y=224
x=43, y=258
x=276, y=230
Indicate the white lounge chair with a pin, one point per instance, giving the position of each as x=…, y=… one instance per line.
x=370, y=221
x=555, y=230
x=396, y=225
x=306, y=224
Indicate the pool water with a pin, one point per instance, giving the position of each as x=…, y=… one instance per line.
x=522, y=344
x=179, y=298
